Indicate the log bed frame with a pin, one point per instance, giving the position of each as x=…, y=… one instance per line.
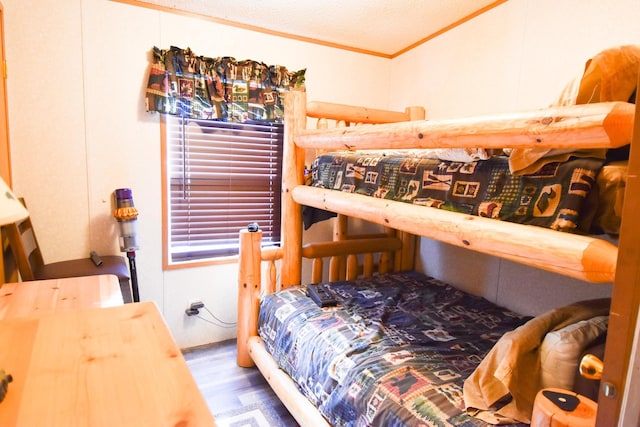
x=603, y=125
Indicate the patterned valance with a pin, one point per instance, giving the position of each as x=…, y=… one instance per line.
x=187, y=85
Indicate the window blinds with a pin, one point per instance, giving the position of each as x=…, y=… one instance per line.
x=221, y=177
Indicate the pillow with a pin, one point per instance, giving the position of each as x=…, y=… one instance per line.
x=611, y=183
x=560, y=351
x=611, y=75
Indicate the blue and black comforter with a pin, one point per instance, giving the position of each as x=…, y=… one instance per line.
x=394, y=352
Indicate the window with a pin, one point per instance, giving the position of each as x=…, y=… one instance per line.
x=220, y=177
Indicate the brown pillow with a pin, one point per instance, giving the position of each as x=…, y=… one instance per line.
x=611, y=75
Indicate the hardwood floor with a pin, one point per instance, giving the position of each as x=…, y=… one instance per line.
x=236, y=396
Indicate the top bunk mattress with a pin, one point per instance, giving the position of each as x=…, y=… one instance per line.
x=572, y=196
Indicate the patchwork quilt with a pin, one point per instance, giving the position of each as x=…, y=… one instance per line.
x=395, y=351
x=553, y=197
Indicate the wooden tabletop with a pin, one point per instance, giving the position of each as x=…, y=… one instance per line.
x=115, y=366
x=42, y=297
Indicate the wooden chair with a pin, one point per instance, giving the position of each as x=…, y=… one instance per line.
x=31, y=265
x=9, y=263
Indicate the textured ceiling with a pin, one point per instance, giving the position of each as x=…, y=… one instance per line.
x=379, y=27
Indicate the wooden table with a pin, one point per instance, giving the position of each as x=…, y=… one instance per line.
x=42, y=297
x=114, y=366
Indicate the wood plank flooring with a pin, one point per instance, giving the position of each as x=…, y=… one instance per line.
x=236, y=396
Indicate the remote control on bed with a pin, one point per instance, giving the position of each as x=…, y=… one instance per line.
x=321, y=295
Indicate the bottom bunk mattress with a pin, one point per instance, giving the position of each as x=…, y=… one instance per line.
x=394, y=351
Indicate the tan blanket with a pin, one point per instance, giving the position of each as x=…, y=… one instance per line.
x=611, y=75
x=503, y=387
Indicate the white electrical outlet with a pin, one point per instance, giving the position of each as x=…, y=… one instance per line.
x=196, y=304
x=194, y=307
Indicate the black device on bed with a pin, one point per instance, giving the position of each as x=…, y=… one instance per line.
x=565, y=401
x=321, y=295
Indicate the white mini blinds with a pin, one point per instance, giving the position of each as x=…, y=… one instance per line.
x=220, y=176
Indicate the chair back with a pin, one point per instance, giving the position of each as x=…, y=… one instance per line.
x=9, y=263
x=23, y=242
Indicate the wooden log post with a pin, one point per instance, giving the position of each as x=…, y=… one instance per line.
x=415, y=113
x=249, y=281
x=295, y=119
x=408, y=253
x=270, y=256
x=625, y=301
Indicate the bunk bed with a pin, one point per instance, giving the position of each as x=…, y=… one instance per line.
x=262, y=271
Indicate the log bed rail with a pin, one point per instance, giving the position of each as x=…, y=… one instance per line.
x=604, y=125
x=572, y=255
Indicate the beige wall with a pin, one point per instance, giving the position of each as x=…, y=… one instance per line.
x=77, y=72
x=517, y=56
